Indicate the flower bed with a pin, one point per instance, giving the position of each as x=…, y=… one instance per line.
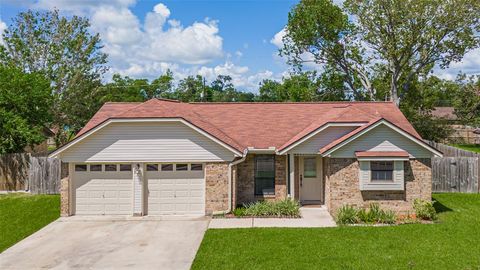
x=374, y=215
x=269, y=209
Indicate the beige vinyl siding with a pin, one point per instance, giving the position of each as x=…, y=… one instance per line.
x=382, y=138
x=367, y=184
x=148, y=141
x=319, y=140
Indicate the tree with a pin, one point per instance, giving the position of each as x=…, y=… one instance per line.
x=25, y=101
x=65, y=51
x=467, y=100
x=222, y=89
x=408, y=37
x=319, y=31
x=191, y=89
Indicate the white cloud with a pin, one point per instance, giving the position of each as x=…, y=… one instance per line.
x=277, y=39
x=148, y=49
x=469, y=65
x=3, y=26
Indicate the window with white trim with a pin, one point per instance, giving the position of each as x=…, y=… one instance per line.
x=381, y=170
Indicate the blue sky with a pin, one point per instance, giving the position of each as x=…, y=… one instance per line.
x=236, y=38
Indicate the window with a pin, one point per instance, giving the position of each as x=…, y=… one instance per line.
x=196, y=167
x=181, y=167
x=152, y=167
x=110, y=167
x=96, y=168
x=310, y=167
x=81, y=168
x=167, y=167
x=264, y=175
x=382, y=170
x=125, y=167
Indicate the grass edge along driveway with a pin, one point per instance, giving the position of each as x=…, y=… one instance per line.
x=23, y=214
x=452, y=243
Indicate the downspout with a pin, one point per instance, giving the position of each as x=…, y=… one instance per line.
x=230, y=165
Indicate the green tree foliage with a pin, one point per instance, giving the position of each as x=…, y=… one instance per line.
x=304, y=86
x=25, y=102
x=407, y=37
x=467, y=100
x=66, y=52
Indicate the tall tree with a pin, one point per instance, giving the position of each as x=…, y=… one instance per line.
x=408, y=37
x=191, y=89
x=467, y=100
x=25, y=100
x=65, y=51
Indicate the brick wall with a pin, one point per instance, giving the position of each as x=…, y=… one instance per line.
x=342, y=186
x=216, y=187
x=245, y=180
x=64, y=197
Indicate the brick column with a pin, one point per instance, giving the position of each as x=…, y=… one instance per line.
x=65, y=197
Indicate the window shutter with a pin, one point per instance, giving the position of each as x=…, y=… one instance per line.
x=398, y=171
x=364, y=173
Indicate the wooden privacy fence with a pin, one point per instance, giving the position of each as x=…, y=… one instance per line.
x=38, y=175
x=457, y=171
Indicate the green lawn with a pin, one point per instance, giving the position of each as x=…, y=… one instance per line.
x=453, y=243
x=23, y=214
x=468, y=147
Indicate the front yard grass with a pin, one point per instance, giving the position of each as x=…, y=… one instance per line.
x=23, y=214
x=452, y=243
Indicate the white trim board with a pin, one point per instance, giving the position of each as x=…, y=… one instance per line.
x=142, y=120
x=390, y=125
x=315, y=132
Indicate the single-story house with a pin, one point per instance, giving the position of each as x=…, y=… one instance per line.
x=164, y=157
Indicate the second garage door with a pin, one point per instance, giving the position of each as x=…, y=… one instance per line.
x=175, y=189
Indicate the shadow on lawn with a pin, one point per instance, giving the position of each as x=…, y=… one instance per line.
x=440, y=208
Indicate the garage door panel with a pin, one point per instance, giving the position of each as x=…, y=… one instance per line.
x=176, y=193
x=103, y=193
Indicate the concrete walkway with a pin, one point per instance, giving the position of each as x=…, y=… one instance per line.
x=312, y=217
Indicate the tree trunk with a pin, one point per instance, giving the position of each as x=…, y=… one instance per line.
x=394, y=91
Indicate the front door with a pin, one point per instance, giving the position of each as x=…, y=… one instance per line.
x=311, y=186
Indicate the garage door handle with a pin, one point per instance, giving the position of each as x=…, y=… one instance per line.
x=175, y=194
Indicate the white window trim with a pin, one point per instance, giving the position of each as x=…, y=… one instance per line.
x=367, y=184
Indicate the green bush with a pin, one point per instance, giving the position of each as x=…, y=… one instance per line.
x=239, y=212
x=347, y=214
x=283, y=208
x=374, y=214
x=388, y=217
x=424, y=209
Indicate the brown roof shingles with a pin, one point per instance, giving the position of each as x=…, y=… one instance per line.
x=258, y=125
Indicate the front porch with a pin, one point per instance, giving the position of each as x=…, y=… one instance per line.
x=277, y=177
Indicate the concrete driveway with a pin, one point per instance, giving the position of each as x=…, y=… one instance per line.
x=105, y=243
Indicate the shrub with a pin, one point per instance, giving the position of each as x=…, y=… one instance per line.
x=388, y=217
x=239, y=212
x=424, y=209
x=366, y=216
x=283, y=208
x=347, y=214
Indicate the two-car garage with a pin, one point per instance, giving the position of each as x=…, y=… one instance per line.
x=138, y=189
x=145, y=167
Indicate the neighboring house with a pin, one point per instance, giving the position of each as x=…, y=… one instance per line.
x=165, y=157
x=461, y=133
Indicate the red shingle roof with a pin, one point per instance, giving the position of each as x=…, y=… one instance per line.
x=258, y=125
x=382, y=154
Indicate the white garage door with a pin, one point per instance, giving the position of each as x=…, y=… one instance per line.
x=103, y=192
x=175, y=189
